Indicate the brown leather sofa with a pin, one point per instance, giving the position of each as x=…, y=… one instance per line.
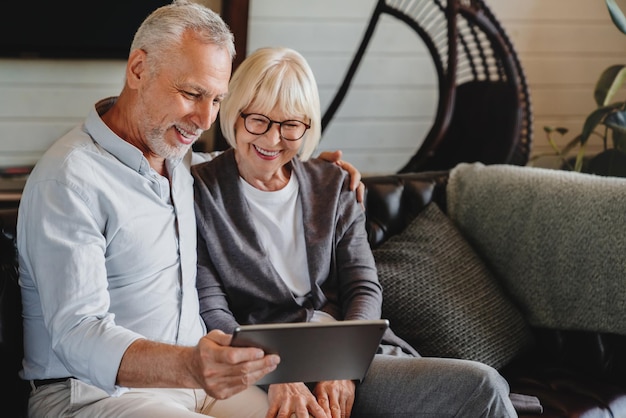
x=573, y=373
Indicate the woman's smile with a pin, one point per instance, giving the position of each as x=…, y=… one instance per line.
x=266, y=154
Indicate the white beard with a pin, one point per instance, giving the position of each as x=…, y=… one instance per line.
x=159, y=146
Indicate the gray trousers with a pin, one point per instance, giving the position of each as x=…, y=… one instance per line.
x=433, y=388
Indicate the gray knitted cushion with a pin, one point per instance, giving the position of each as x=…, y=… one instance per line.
x=441, y=298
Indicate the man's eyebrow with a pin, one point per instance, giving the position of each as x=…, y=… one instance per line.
x=208, y=93
x=198, y=89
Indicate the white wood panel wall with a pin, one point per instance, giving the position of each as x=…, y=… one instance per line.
x=391, y=103
x=563, y=46
x=42, y=99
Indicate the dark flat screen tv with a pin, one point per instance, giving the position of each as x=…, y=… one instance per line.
x=72, y=28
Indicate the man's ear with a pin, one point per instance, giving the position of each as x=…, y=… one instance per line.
x=136, y=67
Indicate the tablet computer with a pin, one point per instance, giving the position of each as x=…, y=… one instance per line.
x=315, y=351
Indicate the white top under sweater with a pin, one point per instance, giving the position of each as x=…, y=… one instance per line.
x=277, y=216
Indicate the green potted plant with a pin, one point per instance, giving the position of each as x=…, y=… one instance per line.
x=607, y=121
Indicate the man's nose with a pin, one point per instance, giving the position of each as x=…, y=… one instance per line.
x=207, y=113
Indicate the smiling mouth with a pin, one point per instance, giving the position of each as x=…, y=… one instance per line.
x=188, y=137
x=266, y=152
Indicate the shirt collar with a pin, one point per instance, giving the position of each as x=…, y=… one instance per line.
x=128, y=154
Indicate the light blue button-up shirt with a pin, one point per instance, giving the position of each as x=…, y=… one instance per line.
x=107, y=253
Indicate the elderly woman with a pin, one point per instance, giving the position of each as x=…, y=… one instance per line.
x=282, y=239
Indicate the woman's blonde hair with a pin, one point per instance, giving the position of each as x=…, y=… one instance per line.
x=272, y=78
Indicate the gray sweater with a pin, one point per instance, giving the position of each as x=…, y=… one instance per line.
x=237, y=283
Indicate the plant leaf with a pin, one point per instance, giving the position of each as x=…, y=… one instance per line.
x=616, y=15
x=549, y=129
x=617, y=122
x=594, y=119
x=571, y=144
x=609, y=84
x=580, y=158
x=562, y=131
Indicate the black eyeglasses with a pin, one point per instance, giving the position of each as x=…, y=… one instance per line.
x=257, y=124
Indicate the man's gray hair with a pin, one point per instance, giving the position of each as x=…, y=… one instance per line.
x=163, y=29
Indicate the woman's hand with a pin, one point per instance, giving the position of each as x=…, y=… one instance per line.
x=289, y=400
x=336, y=397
